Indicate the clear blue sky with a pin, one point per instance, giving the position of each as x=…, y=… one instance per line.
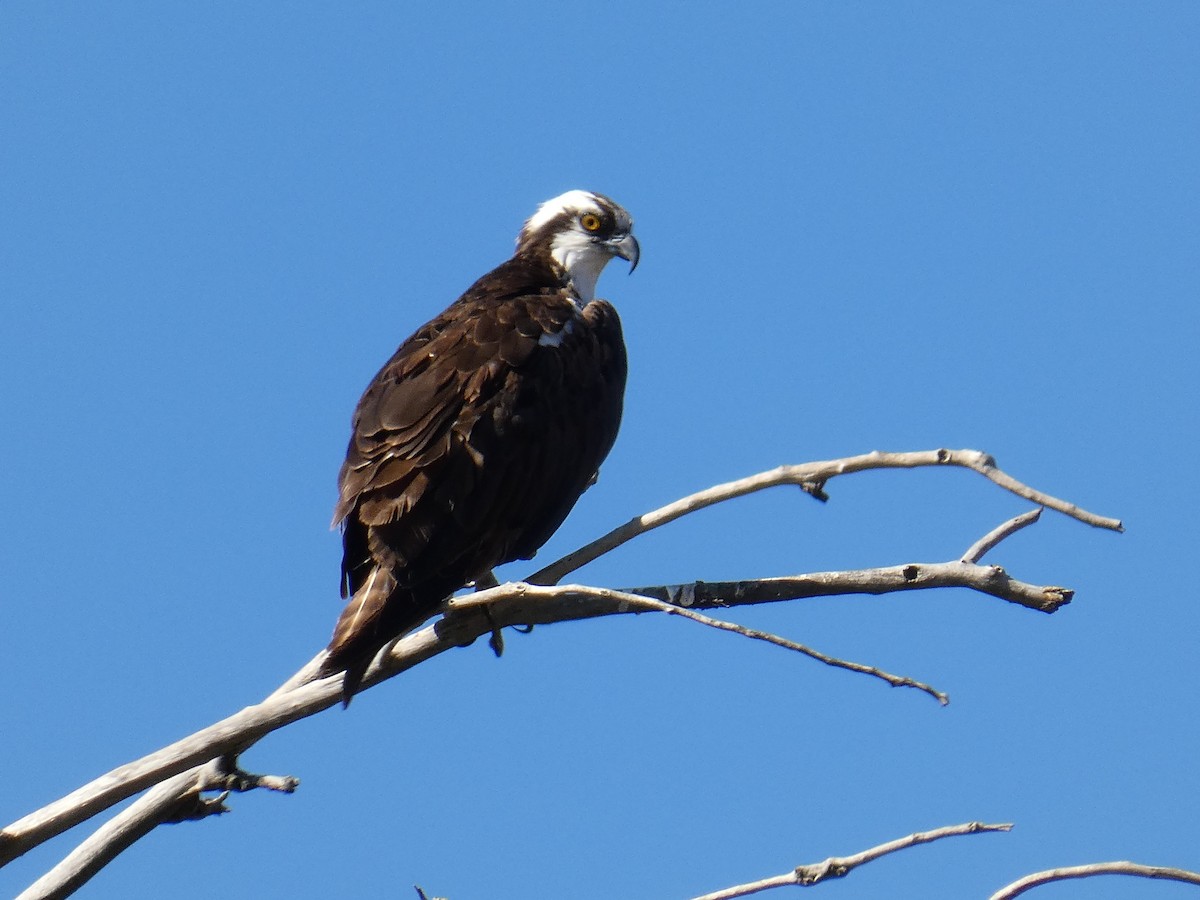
x=864, y=225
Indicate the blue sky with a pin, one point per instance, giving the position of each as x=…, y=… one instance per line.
x=864, y=225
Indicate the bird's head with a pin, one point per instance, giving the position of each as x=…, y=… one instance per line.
x=581, y=232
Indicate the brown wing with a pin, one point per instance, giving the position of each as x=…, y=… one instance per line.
x=469, y=448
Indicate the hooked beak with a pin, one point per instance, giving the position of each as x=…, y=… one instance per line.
x=626, y=247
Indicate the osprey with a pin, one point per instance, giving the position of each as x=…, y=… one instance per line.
x=477, y=437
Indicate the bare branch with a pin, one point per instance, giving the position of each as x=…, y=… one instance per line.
x=976, y=551
x=811, y=477
x=175, y=800
x=1105, y=868
x=841, y=866
x=223, y=774
x=178, y=799
x=228, y=736
x=991, y=580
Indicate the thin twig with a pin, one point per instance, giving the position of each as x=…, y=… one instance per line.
x=626, y=602
x=841, y=866
x=1105, y=868
x=976, y=551
x=224, y=774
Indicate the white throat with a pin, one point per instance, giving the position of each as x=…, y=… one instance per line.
x=583, y=260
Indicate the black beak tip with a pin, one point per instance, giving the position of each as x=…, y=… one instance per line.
x=635, y=253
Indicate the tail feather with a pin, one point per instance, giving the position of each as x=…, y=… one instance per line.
x=379, y=612
x=359, y=634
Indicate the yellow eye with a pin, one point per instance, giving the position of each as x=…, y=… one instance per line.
x=590, y=222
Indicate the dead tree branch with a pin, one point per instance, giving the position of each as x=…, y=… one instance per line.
x=178, y=799
x=1105, y=868
x=991, y=580
x=206, y=760
x=977, y=550
x=812, y=478
x=841, y=866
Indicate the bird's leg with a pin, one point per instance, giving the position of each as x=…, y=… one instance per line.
x=496, y=641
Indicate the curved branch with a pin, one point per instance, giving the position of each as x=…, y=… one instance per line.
x=811, y=477
x=977, y=550
x=841, y=866
x=1105, y=868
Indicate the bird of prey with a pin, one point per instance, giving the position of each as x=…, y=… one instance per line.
x=477, y=437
